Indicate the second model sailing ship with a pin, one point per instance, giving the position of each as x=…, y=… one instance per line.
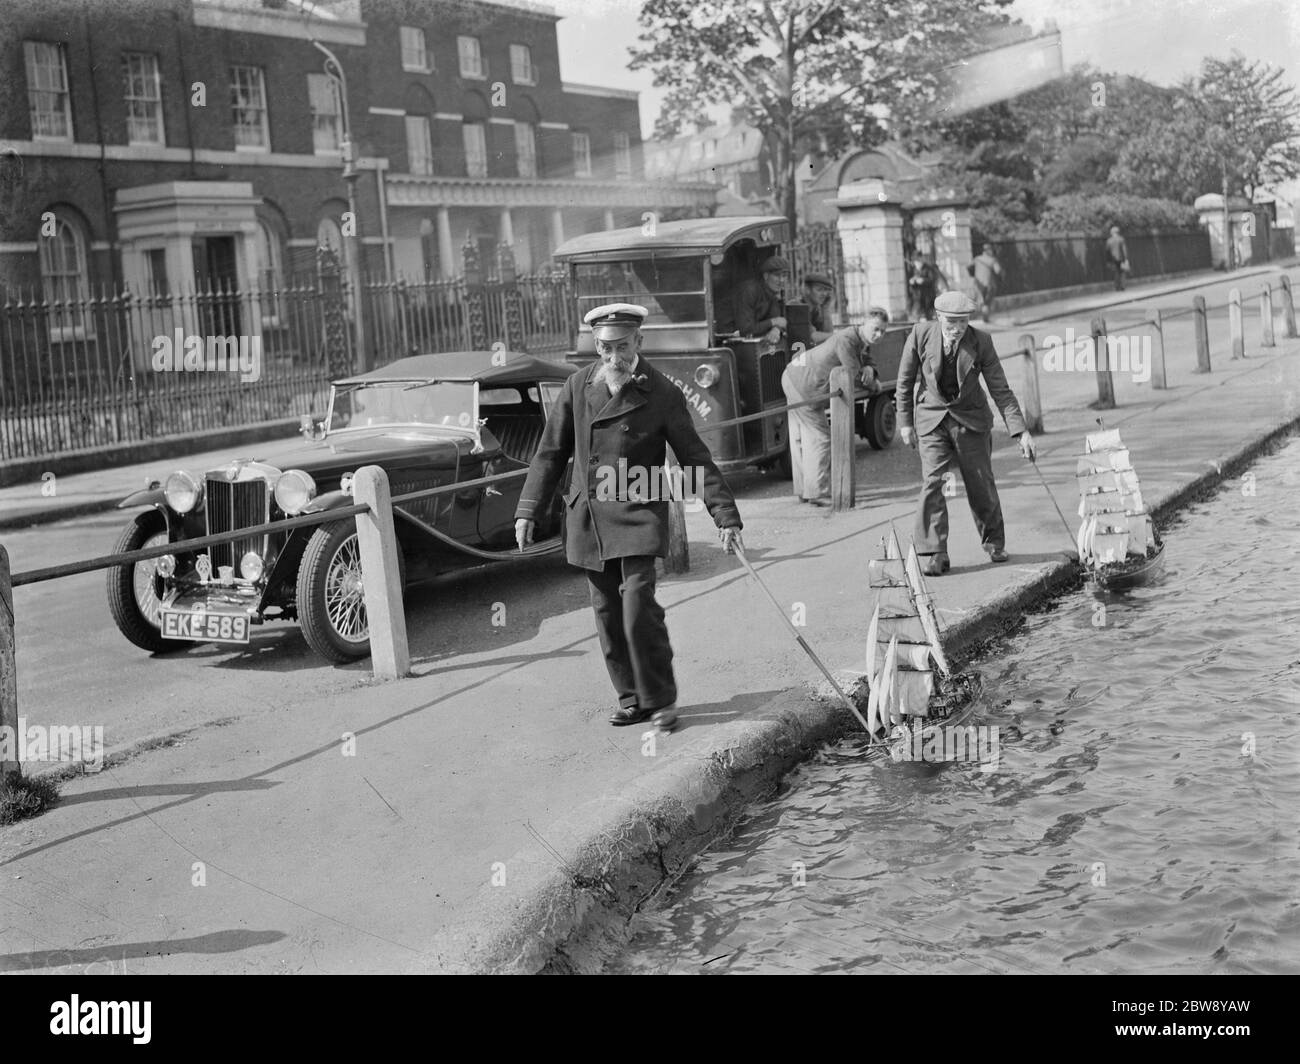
x=1118, y=543
x=915, y=699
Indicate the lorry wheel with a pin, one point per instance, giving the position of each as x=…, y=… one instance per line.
x=881, y=421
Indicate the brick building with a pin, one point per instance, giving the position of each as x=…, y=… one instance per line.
x=156, y=143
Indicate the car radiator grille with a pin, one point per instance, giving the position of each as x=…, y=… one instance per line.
x=236, y=505
x=770, y=368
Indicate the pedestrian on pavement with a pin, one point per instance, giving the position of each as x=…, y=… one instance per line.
x=759, y=304
x=817, y=291
x=808, y=377
x=943, y=361
x=922, y=280
x=987, y=272
x=615, y=418
x=1117, y=256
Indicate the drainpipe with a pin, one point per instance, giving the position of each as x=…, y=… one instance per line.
x=381, y=183
x=109, y=225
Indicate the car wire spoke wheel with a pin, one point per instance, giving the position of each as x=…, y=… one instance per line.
x=146, y=584
x=345, y=599
x=135, y=591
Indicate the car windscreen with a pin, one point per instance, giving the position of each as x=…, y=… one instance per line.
x=443, y=404
x=671, y=289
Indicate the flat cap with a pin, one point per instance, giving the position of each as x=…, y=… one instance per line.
x=955, y=305
x=819, y=278
x=614, y=319
x=776, y=264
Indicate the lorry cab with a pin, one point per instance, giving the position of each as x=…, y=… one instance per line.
x=686, y=275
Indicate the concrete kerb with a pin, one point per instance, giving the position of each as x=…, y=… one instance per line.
x=620, y=855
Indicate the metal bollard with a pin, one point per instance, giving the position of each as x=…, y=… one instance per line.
x=8, y=671
x=1288, y=307
x=1201, y=323
x=1234, y=324
x=1101, y=353
x=1158, y=380
x=390, y=655
x=843, y=473
x=1267, y=338
x=1033, y=398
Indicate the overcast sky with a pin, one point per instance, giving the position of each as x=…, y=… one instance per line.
x=1161, y=40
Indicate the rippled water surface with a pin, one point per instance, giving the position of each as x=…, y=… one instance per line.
x=1128, y=827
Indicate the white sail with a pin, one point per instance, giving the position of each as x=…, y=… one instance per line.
x=1109, y=546
x=1106, y=438
x=1133, y=501
x=925, y=607
x=886, y=703
x=886, y=572
x=912, y=693
x=892, y=549
x=1101, y=502
x=874, y=723
x=1141, y=534
x=916, y=657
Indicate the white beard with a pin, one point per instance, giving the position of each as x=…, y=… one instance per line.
x=612, y=377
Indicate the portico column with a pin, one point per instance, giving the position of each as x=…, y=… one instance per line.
x=557, y=228
x=609, y=218
x=446, y=253
x=507, y=229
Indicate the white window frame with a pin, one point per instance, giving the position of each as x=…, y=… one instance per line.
x=416, y=56
x=326, y=126
x=469, y=52
x=522, y=71
x=622, y=154
x=525, y=150
x=476, y=161
x=45, y=79
x=142, y=93
x=419, y=149
x=61, y=282
x=581, y=154
x=251, y=106
x=270, y=272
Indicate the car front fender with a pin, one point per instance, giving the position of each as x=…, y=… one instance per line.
x=331, y=500
x=145, y=497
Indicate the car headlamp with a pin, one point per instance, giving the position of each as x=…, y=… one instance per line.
x=251, y=566
x=706, y=376
x=183, y=491
x=294, y=490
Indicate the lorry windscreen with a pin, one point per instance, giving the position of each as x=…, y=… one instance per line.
x=671, y=289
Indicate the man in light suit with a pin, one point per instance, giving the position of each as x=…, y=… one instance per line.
x=942, y=362
x=615, y=419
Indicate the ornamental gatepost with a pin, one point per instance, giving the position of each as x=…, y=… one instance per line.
x=512, y=298
x=338, y=346
x=475, y=315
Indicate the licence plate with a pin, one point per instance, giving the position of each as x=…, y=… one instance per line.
x=204, y=627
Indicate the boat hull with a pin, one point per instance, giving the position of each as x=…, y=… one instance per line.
x=953, y=707
x=1128, y=575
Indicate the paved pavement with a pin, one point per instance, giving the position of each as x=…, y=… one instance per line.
x=473, y=816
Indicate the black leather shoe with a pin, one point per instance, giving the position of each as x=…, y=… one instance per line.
x=935, y=565
x=665, y=718
x=997, y=554
x=625, y=715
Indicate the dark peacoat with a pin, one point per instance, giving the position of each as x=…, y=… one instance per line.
x=600, y=431
x=920, y=364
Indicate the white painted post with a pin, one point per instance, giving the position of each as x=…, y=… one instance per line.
x=1158, y=379
x=1234, y=324
x=1266, y=316
x=8, y=670
x=390, y=656
x=1033, y=410
x=843, y=471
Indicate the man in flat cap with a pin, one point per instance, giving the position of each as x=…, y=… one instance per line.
x=942, y=362
x=817, y=291
x=759, y=304
x=808, y=377
x=615, y=419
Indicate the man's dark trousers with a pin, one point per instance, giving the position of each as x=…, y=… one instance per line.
x=972, y=452
x=632, y=632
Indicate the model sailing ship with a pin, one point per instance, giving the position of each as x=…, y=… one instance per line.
x=1118, y=542
x=914, y=696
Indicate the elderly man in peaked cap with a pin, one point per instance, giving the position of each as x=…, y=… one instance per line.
x=615, y=419
x=942, y=363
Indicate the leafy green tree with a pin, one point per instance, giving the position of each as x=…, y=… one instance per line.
x=805, y=73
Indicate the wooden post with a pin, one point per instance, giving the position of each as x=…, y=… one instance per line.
x=843, y=473
x=390, y=655
x=679, y=548
x=1101, y=353
x=1234, y=324
x=1158, y=380
x=1267, y=338
x=8, y=672
x=1201, y=323
x=1033, y=400
x=1288, y=306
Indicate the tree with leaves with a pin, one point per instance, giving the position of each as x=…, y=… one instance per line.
x=805, y=73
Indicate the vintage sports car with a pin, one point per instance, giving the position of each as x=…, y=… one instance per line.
x=428, y=420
